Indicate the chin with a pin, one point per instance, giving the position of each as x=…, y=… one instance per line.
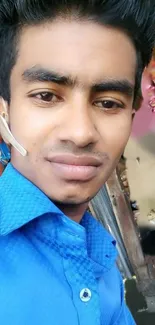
x=71, y=203
x=70, y=193
x=74, y=200
x=65, y=197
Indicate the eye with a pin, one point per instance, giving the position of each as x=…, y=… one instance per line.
x=46, y=96
x=108, y=104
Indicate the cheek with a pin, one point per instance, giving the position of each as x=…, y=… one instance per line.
x=30, y=126
x=115, y=133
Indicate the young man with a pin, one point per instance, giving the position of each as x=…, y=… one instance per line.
x=69, y=74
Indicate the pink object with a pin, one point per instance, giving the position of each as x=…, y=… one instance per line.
x=144, y=121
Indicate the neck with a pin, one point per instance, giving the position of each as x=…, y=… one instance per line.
x=73, y=211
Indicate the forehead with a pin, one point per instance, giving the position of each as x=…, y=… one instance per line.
x=85, y=50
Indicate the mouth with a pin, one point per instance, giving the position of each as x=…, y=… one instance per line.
x=75, y=168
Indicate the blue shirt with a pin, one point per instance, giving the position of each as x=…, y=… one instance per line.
x=54, y=271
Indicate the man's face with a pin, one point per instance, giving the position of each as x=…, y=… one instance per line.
x=71, y=106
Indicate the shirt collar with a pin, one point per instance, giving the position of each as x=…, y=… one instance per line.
x=17, y=207
x=101, y=246
x=21, y=202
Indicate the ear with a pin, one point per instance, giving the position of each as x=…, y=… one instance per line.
x=4, y=109
x=4, y=119
x=133, y=113
x=5, y=131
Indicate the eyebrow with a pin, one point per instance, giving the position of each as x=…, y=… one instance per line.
x=43, y=75
x=122, y=86
x=37, y=73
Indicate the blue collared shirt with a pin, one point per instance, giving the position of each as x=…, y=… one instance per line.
x=54, y=271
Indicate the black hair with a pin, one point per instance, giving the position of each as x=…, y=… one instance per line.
x=135, y=17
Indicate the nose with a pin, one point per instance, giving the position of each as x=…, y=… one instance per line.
x=79, y=126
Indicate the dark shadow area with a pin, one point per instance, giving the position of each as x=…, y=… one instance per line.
x=137, y=305
x=148, y=243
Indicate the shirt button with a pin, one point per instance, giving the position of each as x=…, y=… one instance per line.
x=85, y=295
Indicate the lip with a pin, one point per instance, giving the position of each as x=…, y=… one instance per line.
x=75, y=168
x=70, y=159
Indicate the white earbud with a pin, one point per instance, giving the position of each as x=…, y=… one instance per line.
x=6, y=133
